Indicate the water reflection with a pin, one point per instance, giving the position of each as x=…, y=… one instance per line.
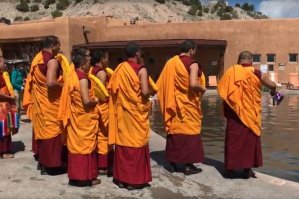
x=279, y=134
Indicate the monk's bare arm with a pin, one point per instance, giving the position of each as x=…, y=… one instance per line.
x=143, y=77
x=87, y=101
x=102, y=76
x=52, y=74
x=267, y=82
x=194, y=83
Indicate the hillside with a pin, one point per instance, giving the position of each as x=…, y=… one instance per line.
x=142, y=10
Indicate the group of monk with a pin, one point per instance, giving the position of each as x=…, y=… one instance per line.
x=86, y=135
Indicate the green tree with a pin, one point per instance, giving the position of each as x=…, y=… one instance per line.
x=248, y=7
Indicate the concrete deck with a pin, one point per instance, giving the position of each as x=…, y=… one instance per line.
x=20, y=179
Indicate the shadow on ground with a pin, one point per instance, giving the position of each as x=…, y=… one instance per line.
x=18, y=146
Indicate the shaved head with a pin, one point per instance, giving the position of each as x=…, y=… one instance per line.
x=245, y=57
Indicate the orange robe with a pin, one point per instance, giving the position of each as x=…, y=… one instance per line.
x=42, y=108
x=44, y=103
x=129, y=126
x=239, y=88
x=181, y=111
x=82, y=128
x=104, y=160
x=128, y=112
x=180, y=105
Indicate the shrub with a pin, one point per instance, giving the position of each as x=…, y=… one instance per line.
x=237, y=5
x=78, y=1
x=206, y=9
x=160, y=1
x=18, y=18
x=187, y=2
x=199, y=13
x=62, y=4
x=56, y=13
x=34, y=8
x=96, y=1
x=193, y=10
x=229, y=9
x=49, y=2
x=26, y=19
x=25, y=1
x=37, y=1
x=226, y=16
x=220, y=12
x=23, y=7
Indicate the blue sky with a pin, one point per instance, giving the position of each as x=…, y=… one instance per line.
x=273, y=8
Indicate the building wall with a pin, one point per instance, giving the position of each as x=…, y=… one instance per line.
x=279, y=36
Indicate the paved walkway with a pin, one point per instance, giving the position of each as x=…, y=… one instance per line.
x=20, y=179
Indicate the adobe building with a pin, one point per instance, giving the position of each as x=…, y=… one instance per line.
x=275, y=43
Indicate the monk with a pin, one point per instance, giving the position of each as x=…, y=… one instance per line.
x=180, y=88
x=100, y=61
x=80, y=116
x=6, y=101
x=129, y=108
x=42, y=96
x=240, y=90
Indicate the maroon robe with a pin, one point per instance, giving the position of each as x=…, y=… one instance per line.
x=132, y=165
x=181, y=148
x=242, y=146
x=5, y=145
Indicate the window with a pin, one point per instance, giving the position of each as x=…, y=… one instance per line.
x=271, y=67
x=271, y=58
x=293, y=57
x=257, y=58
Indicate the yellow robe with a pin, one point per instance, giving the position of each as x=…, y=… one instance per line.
x=239, y=87
x=180, y=105
x=82, y=124
x=8, y=83
x=128, y=111
x=102, y=137
x=42, y=105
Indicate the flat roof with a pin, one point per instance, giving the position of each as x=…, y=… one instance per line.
x=153, y=43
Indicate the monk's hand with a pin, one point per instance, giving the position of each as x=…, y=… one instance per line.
x=12, y=100
x=203, y=90
x=96, y=100
x=272, y=92
x=152, y=91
